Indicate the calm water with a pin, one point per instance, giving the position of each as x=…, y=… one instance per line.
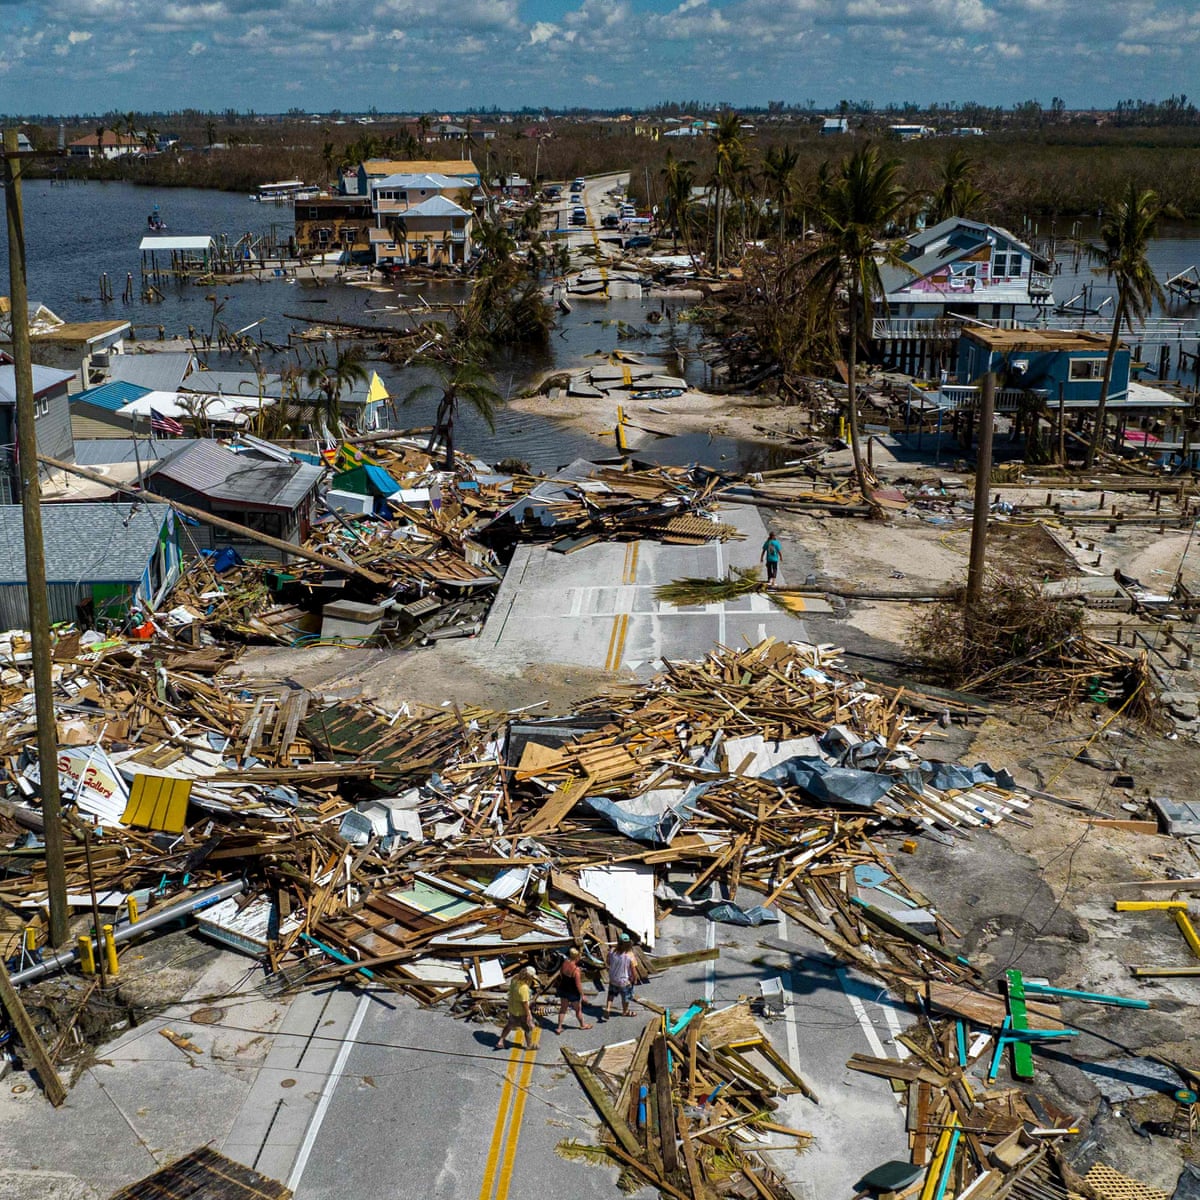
x=76, y=233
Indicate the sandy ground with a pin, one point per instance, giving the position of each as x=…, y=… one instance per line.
x=751, y=418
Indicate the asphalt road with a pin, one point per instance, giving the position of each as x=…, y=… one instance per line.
x=596, y=607
x=424, y=1106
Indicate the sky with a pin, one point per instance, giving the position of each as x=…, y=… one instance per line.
x=95, y=56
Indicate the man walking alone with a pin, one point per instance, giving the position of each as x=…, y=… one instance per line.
x=772, y=552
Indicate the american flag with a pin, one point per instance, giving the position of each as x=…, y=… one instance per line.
x=161, y=423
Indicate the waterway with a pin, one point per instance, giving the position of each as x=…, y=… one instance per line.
x=80, y=231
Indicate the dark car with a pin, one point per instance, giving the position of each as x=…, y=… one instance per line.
x=638, y=243
x=610, y=220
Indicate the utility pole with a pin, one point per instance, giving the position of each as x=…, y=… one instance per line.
x=35, y=558
x=983, y=479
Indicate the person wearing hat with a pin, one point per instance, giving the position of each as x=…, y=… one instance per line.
x=622, y=974
x=569, y=988
x=520, y=1006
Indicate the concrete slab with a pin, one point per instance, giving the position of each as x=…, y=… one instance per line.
x=596, y=607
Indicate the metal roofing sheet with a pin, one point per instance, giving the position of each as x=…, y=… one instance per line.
x=110, y=396
x=84, y=543
x=158, y=372
x=45, y=379
x=107, y=452
x=212, y=470
x=195, y=242
x=234, y=383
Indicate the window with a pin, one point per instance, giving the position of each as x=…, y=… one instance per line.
x=1087, y=368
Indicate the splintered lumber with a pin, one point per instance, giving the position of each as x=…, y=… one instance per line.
x=290, y=548
x=603, y=1105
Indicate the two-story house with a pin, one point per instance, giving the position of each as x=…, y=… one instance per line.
x=965, y=268
x=421, y=218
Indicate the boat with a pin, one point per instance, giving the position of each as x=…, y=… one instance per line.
x=284, y=191
x=660, y=393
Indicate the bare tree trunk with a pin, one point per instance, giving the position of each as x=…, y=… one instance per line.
x=1098, y=429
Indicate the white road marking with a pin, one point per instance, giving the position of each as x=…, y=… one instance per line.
x=789, y=1008
x=710, y=967
x=856, y=1006
x=318, y=1117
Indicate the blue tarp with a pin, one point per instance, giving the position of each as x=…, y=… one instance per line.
x=657, y=828
x=831, y=785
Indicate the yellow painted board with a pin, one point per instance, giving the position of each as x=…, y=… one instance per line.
x=1188, y=930
x=159, y=803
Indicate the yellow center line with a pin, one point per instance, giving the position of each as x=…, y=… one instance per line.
x=514, y=1128
x=525, y=1056
x=619, y=652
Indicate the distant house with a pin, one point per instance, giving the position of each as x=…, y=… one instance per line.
x=965, y=268
x=52, y=422
x=272, y=497
x=832, y=126
x=326, y=224
x=110, y=144
x=357, y=182
x=102, y=561
x=423, y=217
x=77, y=346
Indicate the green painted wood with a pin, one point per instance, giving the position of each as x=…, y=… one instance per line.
x=1022, y=1051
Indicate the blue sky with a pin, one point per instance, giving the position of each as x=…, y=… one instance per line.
x=271, y=55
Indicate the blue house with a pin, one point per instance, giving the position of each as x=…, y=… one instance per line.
x=1059, y=364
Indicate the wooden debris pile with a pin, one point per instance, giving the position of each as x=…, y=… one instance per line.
x=680, y=1104
x=435, y=548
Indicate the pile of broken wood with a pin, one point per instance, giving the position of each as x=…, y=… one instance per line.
x=438, y=851
x=434, y=563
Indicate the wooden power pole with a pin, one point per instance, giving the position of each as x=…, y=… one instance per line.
x=35, y=557
x=983, y=482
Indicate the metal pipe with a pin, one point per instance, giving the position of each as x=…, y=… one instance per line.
x=173, y=912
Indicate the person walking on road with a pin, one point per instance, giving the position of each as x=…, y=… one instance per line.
x=772, y=552
x=622, y=974
x=520, y=1007
x=570, y=989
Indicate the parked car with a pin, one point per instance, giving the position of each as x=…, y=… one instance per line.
x=610, y=220
x=579, y=216
x=640, y=242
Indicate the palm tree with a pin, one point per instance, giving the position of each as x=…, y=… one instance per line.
x=457, y=361
x=1122, y=255
x=330, y=380
x=729, y=159
x=855, y=202
x=778, y=172
x=956, y=194
x=678, y=181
